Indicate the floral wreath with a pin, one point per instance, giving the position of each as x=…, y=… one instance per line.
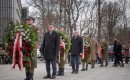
x=20, y=41
x=87, y=42
x=66, y=40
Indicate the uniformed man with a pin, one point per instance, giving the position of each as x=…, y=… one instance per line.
x=104, y=54
x=30, y=71
x=61, y=59
x=94, y=52
x=86, y=52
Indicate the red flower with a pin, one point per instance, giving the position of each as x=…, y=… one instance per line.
x=28, y=62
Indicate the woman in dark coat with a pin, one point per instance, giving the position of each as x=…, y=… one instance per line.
x=118, y=51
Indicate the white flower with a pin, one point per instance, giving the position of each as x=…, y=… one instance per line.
x=16, y=27
x=22, y=30
x=24, y=38
x=22, y=33
x=12, y=37
x=29, y=39
x=21, y=26
x=28, y=34
x=25, y=32
x=27, y=29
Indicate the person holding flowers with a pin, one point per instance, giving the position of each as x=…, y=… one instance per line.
x=20, y=44
x=86, y=52
x=64, y=49
x=104, y=54
x=30, y=71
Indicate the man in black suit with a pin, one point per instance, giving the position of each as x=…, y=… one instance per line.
x=51, y=44
x=76, y=51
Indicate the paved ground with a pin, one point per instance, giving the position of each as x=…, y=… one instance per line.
x=104, y=73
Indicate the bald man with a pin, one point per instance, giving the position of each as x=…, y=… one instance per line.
x=76, y=50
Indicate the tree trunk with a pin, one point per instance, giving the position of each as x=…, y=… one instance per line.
x=99, y=20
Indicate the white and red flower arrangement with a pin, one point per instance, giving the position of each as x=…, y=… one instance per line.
x=20, y=43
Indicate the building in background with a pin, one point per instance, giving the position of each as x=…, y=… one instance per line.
x=25, y=13
x=10, y=11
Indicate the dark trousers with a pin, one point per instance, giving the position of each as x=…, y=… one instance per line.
x=75, y=62
x=69, y=61
x=118, y=59
x=48, y=63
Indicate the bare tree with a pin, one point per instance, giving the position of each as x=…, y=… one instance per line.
x=111, y=16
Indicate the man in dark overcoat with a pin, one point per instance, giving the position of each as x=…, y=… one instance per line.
x=51, y=45
x=76, y=51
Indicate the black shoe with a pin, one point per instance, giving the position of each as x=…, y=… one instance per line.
x=30, y=76
x=106, y=65
x=62, y=73
x=82, y=69
x=76, y=72
x=73, y=72
x=53, y=77
x=92, y=67
x=47, y=76
x=114, y=65
x=122, y=66
x=59, y=73
x=86, y=68
x=101, y=65
x=27, y=76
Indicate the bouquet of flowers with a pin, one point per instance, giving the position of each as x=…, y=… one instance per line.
x=20, y=43
x=86, y=43
x=65, y=38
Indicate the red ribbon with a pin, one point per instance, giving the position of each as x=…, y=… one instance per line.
x=18, y=47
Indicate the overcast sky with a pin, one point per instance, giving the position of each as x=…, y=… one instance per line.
x=31, y=9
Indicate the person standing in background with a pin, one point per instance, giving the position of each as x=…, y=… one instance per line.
x=104, y=53
x=126, y=53
x=64, y=49
x=86, y=53
x=118, y=51
x=94, y=52
x=76, y=51
x=116, y=62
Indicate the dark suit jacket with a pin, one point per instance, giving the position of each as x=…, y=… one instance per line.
x=118, y=49
x=51, y=45
x=114, y=46
x=77, y=46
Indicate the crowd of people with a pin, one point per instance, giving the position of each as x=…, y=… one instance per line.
x=82, y=48
x=57, y=46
